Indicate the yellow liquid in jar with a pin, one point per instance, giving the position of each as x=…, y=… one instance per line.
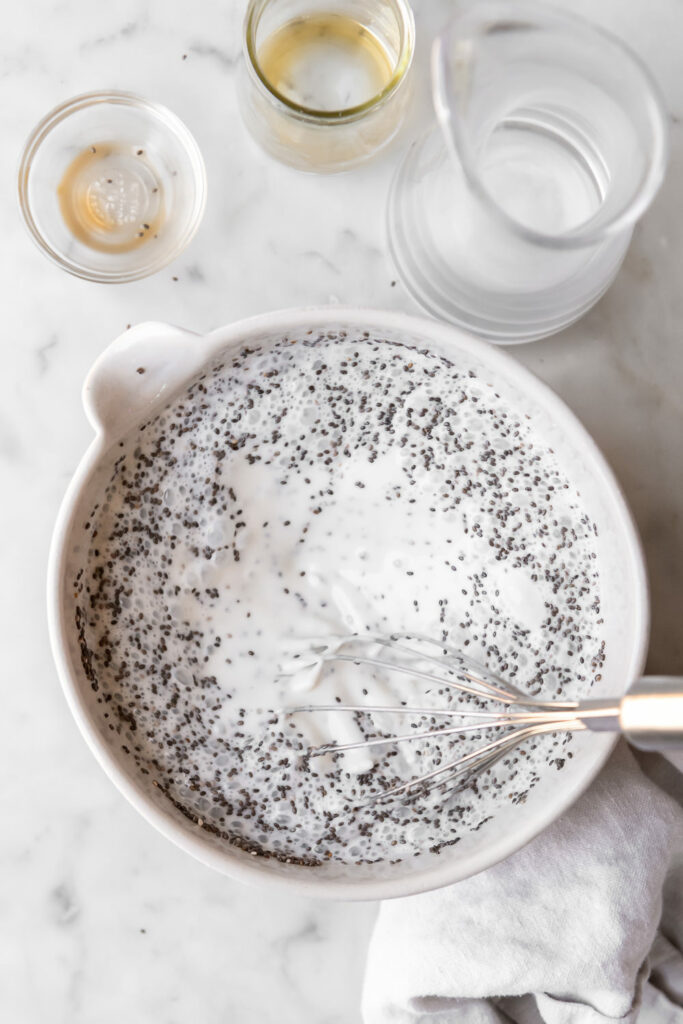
x=111, y=198
x=325, y=62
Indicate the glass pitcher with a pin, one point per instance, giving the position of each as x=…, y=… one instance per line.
x=512, y=215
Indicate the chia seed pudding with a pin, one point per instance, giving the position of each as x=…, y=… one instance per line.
x=314, y=486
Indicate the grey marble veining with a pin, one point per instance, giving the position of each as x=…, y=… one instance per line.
x=101, y=919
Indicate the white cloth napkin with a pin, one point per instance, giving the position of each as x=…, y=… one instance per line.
x=582, y=926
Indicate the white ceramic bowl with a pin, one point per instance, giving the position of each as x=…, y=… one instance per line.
x=117, y=397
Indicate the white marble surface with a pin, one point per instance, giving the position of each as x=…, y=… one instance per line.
x=102, y=920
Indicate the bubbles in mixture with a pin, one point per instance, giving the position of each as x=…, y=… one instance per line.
x=313, y=487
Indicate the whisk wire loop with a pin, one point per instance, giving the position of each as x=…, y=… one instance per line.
x=517, y=716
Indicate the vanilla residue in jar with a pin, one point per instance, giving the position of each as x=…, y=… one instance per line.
x=311, y=487
x=326, y=61
x=112, y=198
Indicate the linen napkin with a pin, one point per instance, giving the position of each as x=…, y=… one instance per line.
x=584, y=925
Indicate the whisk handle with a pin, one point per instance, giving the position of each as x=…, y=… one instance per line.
x=651, y=713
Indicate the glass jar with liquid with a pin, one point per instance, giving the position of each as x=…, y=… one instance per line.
x=324, y=82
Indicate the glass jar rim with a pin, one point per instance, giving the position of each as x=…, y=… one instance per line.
x=346, y=114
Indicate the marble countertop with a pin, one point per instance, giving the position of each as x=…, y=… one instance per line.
x=101, y=919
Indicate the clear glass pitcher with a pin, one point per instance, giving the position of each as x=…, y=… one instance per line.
x=512, y=215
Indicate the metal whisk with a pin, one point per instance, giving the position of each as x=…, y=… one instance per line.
x=650, y=715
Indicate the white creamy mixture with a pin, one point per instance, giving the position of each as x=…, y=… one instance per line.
x=315, y=487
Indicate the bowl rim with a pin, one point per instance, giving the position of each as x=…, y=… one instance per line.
x=234, y=863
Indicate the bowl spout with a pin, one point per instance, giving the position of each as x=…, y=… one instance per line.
x=140, y=368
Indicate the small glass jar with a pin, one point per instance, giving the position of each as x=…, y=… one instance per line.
x=323, y=84
x=112, y=187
